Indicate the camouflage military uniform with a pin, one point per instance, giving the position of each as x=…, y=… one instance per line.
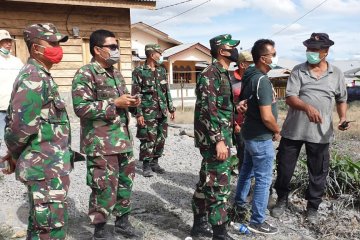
x=213, y=123
x=156, y=101
x=105, y=139
x=37, y=136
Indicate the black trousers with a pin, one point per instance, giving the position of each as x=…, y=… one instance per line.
x=318, y=158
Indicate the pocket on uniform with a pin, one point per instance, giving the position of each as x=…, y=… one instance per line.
x=49, y=209
x=97, y=174
x=57, y=112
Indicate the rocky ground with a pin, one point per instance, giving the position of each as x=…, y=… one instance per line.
x=161, y=204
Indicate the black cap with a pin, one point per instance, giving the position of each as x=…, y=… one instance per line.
x=318, y=41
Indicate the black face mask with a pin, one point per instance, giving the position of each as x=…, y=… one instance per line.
x=234, y=54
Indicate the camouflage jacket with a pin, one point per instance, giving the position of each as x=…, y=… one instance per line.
x=104, y=128
x=214, y=109
x=156, y=98
x=37, y=126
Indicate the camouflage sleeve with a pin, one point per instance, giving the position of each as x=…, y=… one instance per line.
x=136, y=89
x=85, y=103
x=23, y=116
x=171, y=107
x=208, y=98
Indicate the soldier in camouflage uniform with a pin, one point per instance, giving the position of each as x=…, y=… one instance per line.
x=213, y=130
x=150, y=80
x=37, y=135
x=101, y=101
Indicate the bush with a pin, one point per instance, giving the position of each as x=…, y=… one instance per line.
x=343, y=178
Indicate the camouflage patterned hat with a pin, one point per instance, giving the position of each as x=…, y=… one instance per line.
x=224, y=39
x=153, y=47
x=44, y=31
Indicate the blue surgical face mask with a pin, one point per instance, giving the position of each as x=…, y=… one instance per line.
x=313, y=57
x=4, y=51
x=252, y=65
x=274, y=62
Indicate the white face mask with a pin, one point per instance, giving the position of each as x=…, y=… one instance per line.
x=113, y=58
x=274, y=62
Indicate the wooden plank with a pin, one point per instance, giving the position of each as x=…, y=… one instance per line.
x=67, y=66
x=64, y=88
x=125, y=66
x=108, y=3
x=73, y=42
x=63, y=81
x=22, y=51
x=126, y=58
x=63, y=73
x=125, y=43
x=125, y=51
x=72, y=49
x=72, y=58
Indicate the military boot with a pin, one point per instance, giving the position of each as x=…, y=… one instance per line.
x=220, y=232
x=124, y=228
x=156, y=167
x=147, y=169
x=101, y=233
x=201, y=227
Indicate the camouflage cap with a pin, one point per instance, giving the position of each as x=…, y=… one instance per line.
x=224, y=39
x=245, y=56
x=5, y=35
x=44, y=31
x=153, y=47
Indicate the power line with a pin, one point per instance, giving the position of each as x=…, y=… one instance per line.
x=199, y=5
x=175, y=4
x=311, y=10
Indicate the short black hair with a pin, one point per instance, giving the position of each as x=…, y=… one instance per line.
x=214, y=50
x=98, y=37
x=259, y=49
x=149, y=52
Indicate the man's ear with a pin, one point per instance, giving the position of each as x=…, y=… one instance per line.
x=96, y=50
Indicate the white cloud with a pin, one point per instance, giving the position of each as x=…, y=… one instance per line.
x=275, y=8
x=334, y=6
x=294, y=28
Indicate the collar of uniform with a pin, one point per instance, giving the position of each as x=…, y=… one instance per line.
x=32, y=61
x=146, y=66
x=97, y=67
x=219, y=66
x=304, y=68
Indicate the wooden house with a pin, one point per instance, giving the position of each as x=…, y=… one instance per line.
x=78, y=19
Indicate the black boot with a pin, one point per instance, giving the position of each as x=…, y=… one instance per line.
x=220, y=232
x=124, y=228
x=156, y=167
x=100, y=232
x=201, y=227
x=280, y=207
x=147, y=169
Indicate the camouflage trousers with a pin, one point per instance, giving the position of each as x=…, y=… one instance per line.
x=152, y=138
x=48, y=218
x=213, y=189
x=111, y=180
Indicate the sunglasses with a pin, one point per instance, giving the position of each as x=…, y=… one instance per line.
x=112, y=47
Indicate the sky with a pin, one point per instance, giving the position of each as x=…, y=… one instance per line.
x=250, y=20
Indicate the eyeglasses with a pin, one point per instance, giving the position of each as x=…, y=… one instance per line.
x=112, y=47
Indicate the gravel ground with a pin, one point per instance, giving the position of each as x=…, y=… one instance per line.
x=161, y=204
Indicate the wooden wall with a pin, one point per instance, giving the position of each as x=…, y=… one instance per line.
x=14, y=17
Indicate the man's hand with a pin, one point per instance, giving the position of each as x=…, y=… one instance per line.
x=242, y=106
x=172, y=116
x=237, y=128
x=313, y=114
x=344, y=125
x=140, y=121
x=276, y=137
x=222, y=151
x=125, y=101
x=11, y=164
